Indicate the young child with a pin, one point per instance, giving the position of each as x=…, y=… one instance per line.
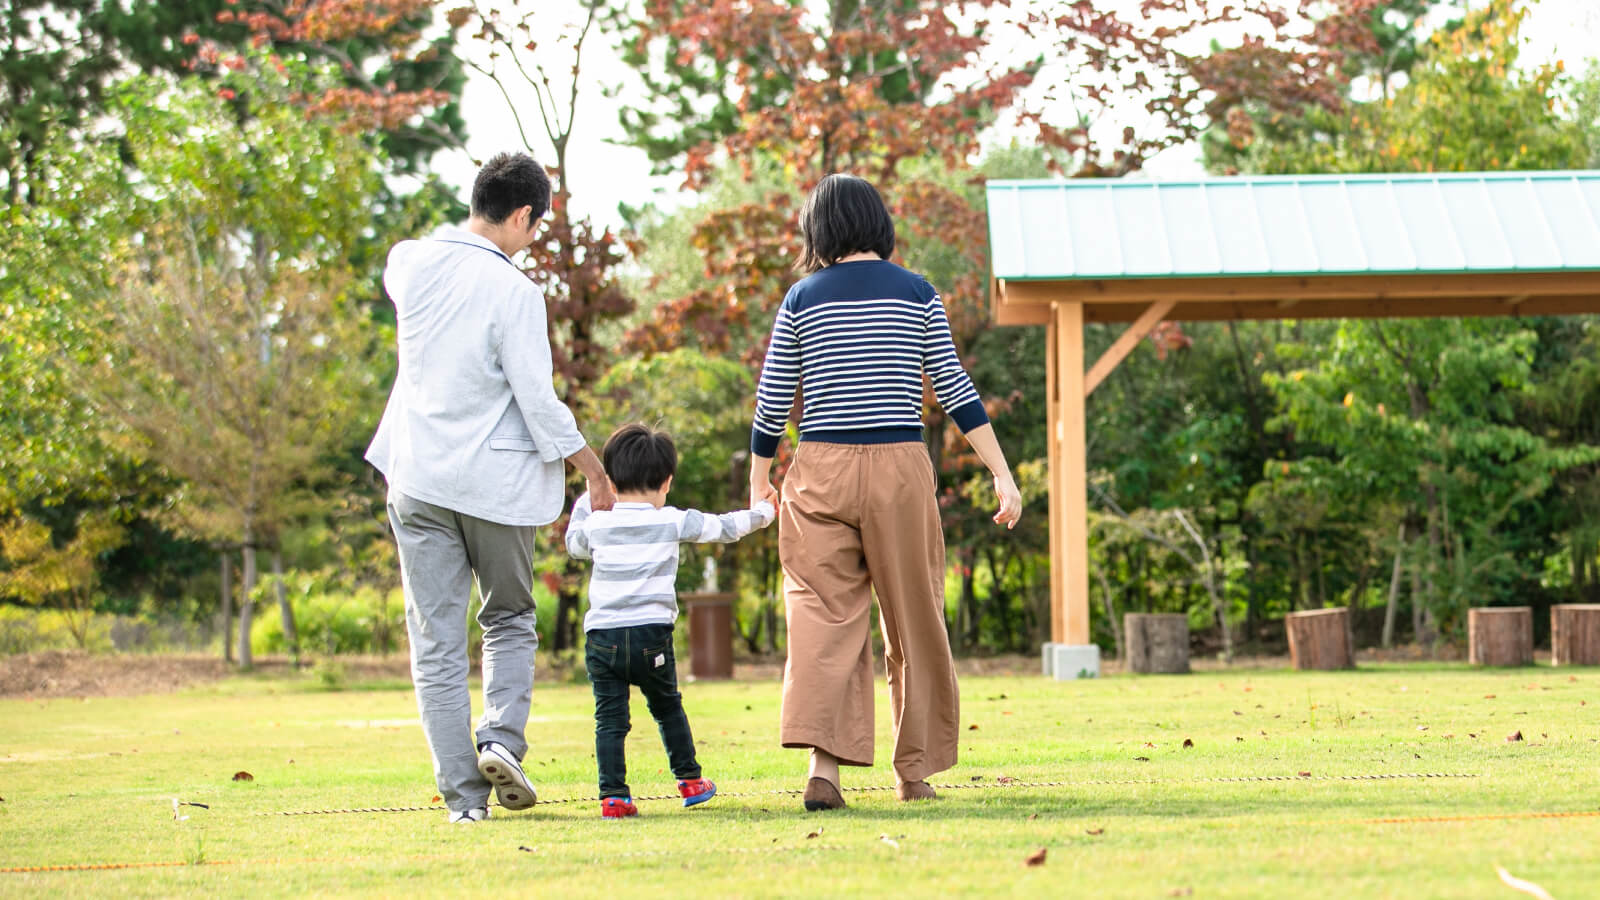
x=633, y=605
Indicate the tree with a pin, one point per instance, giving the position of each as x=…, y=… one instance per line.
x=1467, y=105
x=57, y=58
x=40, y=568
x=219, y=315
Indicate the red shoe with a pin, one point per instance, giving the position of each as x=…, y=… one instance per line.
x=618, y=808
x=697, y=790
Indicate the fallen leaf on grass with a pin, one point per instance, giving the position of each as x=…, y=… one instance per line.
x=1141, y=758
x=1488, y=696
x=1005, y=779
x=436, y=799
x=1572, y=678
x=977, y=778
x=1237, y=713
x=972, y=727
x=817, y=833
x=1237, y=738
x=243, y=776
x=1032, y=817
x=1094, y=832
x=525, y=848
x=1518, y=884
x=1036, y=858
x=1188, y=744
x=1514, y=736
x=1181, y=892
x=1422, y=728
x=1305, y=774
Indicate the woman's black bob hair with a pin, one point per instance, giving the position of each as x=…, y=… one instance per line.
x=843, y=215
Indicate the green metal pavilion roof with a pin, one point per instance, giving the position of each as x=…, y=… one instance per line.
x=1296, y=225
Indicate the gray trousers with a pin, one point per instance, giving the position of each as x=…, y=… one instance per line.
x=441, y=551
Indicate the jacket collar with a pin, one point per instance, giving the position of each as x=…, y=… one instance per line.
x=453, y=234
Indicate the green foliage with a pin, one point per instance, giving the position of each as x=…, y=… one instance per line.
x=331, y=617
x=1466, y=106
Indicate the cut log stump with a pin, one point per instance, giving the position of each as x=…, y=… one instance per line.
x=1575, y=634
x=1320, y=639
x=1500, y=636
x=1157, y=642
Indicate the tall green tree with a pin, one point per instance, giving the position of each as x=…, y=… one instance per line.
x=215, y=329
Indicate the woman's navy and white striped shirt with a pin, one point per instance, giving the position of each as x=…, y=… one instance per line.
x=856, y=338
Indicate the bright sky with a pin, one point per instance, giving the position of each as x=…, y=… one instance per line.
x=605, y=174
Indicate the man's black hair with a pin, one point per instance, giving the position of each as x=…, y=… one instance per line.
x=639, y=458
x=843, y=215
x=507, y=183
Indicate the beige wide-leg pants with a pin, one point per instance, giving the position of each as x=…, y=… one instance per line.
x=857, y=518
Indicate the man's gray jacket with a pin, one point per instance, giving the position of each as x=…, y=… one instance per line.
x=473, y=423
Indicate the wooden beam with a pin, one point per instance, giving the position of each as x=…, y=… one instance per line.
x=1369, y=308
x=1324, y=287
x=1124, y=344
x=1069, y=478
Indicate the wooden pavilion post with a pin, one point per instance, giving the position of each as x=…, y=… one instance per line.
x=1070, y=654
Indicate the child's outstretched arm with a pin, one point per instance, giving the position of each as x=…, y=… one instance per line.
x=705, y=528
x=578, y=529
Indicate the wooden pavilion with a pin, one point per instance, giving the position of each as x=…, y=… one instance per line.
x=1069, y=253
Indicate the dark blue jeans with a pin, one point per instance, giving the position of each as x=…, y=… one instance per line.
x=641, y=655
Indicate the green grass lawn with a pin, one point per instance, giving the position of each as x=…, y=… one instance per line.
x=1138, y=814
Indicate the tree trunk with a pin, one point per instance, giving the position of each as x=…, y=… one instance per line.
x=246, y=601
x=227, y=605
x=291, y=635
x=964, y=630
x=1421, y=618
x=1320, y=638
x=564, y=628
x=1500, y=636
x=1575, y=634
x=1157, y=642
x=1111, y=613
x=1394, y=589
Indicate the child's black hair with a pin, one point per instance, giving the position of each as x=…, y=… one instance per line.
x=639, y=458
x=507, y=183
x=843, y=215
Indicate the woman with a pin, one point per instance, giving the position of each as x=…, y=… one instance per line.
x=859, y=512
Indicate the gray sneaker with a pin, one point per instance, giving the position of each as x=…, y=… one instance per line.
x=511, y=786
x=469, y=816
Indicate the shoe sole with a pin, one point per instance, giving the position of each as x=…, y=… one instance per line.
x=698, y=799
x=511, y=787
x=817, y=800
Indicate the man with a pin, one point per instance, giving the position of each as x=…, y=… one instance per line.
x=472, y=443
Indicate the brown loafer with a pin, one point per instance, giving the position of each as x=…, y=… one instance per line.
x=914, y=790
x=823, y=794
